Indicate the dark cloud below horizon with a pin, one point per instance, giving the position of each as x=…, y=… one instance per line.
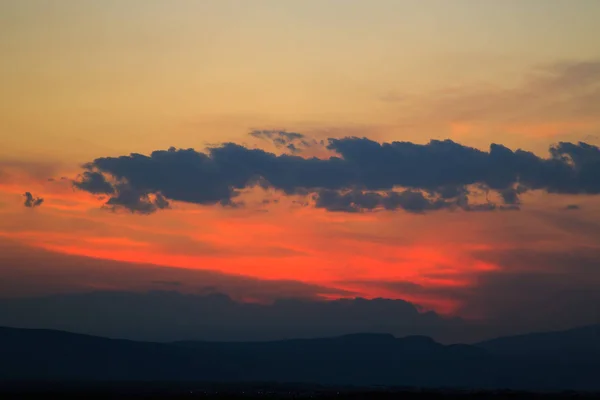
x=105, y=297
x=532, y=290
x=170, y=316
x=365, y=175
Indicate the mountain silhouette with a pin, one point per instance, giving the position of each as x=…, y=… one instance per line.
x=574, y=344
x=357, y=359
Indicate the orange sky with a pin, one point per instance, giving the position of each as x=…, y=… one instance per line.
x=359, y=253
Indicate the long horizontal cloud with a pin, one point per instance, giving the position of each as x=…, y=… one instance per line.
x=31, y=271
x=364, y=175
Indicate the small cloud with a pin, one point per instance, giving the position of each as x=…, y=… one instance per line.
x=487, y=206
x=292, y=141
x=572, y=207
x=31, y=201
x=279, y=137
x=167, y=283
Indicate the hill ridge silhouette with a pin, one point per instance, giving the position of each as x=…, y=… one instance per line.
x=360, y=359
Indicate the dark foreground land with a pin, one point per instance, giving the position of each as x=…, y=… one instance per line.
x=37, y=390
x=54, y=364
x=555, y=361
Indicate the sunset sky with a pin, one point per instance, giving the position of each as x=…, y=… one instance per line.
x=294, y=187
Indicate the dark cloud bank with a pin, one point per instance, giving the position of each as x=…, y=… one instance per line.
x=364, y=175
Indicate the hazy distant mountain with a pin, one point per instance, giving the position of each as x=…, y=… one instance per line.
x=574, y=344
x=361, y=359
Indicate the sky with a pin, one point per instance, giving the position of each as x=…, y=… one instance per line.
x=439, y=153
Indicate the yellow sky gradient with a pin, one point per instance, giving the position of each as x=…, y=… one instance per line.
x=82, y=79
